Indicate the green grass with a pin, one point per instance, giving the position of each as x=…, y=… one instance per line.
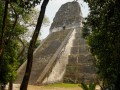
x=65, y=85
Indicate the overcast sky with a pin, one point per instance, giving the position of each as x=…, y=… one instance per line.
x=53, y=7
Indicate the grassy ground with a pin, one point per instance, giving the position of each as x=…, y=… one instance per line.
x=61, y=86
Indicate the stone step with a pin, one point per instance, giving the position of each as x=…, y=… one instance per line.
x=80, y=68
x=79, y=41
x=78, y=50
x=51, y=43
x=80, y=59
x=86, y=68
x=43, y=55
x=78, y=30
x=78, y=35
x=80, y=78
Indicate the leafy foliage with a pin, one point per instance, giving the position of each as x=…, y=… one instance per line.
x=10, y=63
x=85, y=31
x=105, y=40
x=88, y=87
x=9, y=44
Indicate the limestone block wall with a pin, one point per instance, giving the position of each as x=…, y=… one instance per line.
x=42, y=56
x=58, y=71
x=80, y=62
x=69, y=15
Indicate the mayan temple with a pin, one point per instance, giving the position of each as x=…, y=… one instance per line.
x=64, y=55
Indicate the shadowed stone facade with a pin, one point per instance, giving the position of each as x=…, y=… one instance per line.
x=80, y=62
x=69, y=16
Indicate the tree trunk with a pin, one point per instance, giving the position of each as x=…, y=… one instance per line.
x=10, y=85
x=2, y=87
x=31, y=46
x=117, y=84
x=23, y=48
x=13, y=26
x=2, y=33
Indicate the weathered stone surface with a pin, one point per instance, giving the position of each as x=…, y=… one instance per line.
x=42, y=56
x=80, y=66
x=69, y=15
x=57, y=72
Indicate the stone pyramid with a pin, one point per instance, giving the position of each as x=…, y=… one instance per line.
x=64, y=55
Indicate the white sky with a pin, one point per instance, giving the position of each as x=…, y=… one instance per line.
x=53, y=7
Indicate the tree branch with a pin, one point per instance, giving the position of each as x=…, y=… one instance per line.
x=23, y=49
x=14, y=24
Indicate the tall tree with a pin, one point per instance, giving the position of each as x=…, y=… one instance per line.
x=2, y=31
x=32, y=45
x=10, y=30
x=105, y=40
x=22, y=7
x=9, y=62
